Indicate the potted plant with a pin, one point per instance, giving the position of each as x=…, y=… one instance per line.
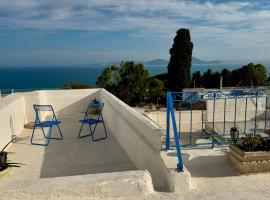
x=95, y=110
x=252, y=154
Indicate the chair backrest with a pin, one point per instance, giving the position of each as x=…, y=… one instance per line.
x=96, y=105
x=43, y=108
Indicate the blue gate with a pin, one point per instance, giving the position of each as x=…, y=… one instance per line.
x=210, y=115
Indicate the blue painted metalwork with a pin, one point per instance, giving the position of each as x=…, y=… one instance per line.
x=265, y=114
x=168, y=122
x=47, y=123
x=179, y=119
x=93, y=121
x=170, y=111
x=189, y=98
x=190, y=126
x=202, y=116
x=245, y=125
x=224, y=117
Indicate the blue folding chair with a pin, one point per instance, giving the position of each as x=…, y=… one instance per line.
x=47, y=123
x=93, y=121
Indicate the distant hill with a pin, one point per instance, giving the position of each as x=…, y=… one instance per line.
x=199, y=61
x=158, y=61
x=195, y=60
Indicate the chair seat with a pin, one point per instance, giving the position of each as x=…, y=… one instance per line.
x=90, y=121
x=48, y=123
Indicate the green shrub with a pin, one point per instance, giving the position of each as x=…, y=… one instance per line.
x=255, y=142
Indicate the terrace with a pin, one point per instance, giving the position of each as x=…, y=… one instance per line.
x=116, y=166
x=133, y=141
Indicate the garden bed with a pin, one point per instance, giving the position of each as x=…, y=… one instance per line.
x=249, y=162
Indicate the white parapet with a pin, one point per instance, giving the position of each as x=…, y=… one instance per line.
x=95, y=186
x=139, y=137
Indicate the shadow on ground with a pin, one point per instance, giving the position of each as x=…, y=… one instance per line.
x=207, y=163
x=72, y=156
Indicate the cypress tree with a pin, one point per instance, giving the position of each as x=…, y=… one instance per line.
x=180, y=61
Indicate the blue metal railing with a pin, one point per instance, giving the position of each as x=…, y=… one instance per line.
x=176, y=137
x=226, y=98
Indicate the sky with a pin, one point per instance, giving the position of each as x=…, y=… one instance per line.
x=70, y=32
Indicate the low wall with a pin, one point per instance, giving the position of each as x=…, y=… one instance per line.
x=240, y=109
x=12, y=117
x=35, y=97
x=139, y=137
x=77, y=100
x=16, y=109
x=59, y=99
x=160, y=118
x=95, y=186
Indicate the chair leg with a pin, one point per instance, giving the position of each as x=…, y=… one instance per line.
x=60, y=132
x=48, y=138
x=33, y=134
x=61, y=136
x=102, y=138
x=82, y=136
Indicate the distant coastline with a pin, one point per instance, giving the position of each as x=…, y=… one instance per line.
x=55, y=77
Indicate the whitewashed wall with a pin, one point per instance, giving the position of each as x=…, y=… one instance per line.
x=71, y=100
x=12, y=117
x=138, y=136
x=159, y=117
x=240, y=109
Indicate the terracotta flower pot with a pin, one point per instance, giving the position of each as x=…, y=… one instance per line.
x=95, y=111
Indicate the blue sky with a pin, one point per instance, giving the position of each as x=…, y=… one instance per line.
x=61, y=32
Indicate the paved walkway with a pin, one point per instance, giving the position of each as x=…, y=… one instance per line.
x=213, y=177
x=70, y=156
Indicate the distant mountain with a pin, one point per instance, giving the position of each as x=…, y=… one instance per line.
x=199, y=61
x=195, y=60
x=158, y=61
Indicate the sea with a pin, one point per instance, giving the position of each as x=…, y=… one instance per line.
x=24, y=77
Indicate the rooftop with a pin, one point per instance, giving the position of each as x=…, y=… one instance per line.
x=129, y=164
x=67, y=157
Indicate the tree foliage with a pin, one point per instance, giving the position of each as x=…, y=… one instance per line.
x=131, y=83
x=247, y=75
x=180, y=61
x=75, y=85
x=155, y=89
x=109, y=78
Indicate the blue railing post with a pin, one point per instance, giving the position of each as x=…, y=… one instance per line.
x=168, y=123
x=245, y=127
x=176, y=137
x=265, y=114
x=256, y=110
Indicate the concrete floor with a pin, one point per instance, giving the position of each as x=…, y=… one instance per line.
x=213, y=177
x=67, y=157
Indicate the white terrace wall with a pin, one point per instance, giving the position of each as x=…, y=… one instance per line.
x=36, y=97
x=240, y=109
x=139, y=137
x=160, y=118
x=70, y=101
x=117, y=185
x=17, y=109
x=12, y=117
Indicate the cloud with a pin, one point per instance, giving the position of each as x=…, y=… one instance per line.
x=234, y=23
